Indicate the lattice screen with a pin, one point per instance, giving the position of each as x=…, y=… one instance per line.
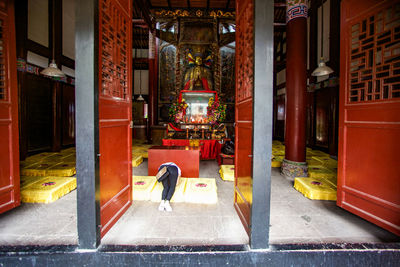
x=375, y=57
x=245, y=52
x=113, y=50
x=3, y=88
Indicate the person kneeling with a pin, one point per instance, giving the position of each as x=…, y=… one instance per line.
x=169, y=174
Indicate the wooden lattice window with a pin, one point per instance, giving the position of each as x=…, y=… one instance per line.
x=3, y=88
x=245, y=52
x=375, y=57
x=113, y=50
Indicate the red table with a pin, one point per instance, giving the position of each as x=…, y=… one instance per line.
x=210, y=149
x=187, y=158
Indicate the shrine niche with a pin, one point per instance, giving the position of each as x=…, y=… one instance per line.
x=199, y=49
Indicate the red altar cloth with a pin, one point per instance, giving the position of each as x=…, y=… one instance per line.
x=209, y=149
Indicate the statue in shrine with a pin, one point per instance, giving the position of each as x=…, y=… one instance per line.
x=198, y=76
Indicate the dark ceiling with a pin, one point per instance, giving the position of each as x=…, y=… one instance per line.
x=142, y=10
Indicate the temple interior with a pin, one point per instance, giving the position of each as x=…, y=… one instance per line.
x=183, y=89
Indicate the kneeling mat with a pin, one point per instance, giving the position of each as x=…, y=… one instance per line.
x=142, y=187
x=178, y=196
x=48, y=189
x=227, y=172
x=62, y=169
x=315, y=188
x=136, y=160
x=201, y=190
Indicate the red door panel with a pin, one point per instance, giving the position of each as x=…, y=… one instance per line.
x=369, y=124
x=114, y=110
x=9, y=148
x=244, y=111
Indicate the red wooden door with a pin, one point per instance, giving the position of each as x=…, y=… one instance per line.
x=244, y=110
x=115, y=65
x=9, y=149
x=369, y=129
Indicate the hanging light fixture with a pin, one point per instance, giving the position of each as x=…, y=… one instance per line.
x=322, y=69
x=140, y=98
x=52, y=70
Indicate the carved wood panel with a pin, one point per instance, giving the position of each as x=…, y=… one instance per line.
x=375, y=56
x=3, y=87
x=113, y=25
x=244, y=50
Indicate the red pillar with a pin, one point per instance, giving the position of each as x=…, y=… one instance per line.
x=294, y=164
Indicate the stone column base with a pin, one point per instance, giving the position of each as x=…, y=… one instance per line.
x=294, y=169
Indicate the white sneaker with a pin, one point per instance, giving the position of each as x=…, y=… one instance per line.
x=162, y=205
x=167, y=206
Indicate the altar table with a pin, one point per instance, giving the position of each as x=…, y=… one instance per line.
x=209, y=149
x=186, y=157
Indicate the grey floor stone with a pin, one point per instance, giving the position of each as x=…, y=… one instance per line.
x=294, y=219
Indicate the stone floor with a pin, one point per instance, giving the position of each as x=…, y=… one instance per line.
x=294, y=219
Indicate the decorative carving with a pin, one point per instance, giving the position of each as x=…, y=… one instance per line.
x=374, y=61
x=193, y=13
x=3, y=87
x=113, y=50
x=293, y=169
x=167, y=63
x=245, y=51
x=296, y=9
x=227, y=55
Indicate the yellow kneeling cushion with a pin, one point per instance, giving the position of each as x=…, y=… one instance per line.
x=178, y=196
x=318, y=172
x=227, y=172
x=37, y=169
x=136, y=160
x=28, y=180
x=47, y=190
x=142, y=187
x=315, y=188
x=61, y=169
x=201, y=190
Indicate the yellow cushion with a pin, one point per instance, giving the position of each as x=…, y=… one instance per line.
x=320, y=172
x=48, y=189
x=61, y=169
x=201, y=190
x=136, y=160
x=142, y=187
x=37, y=169
x=227, y=172
x=315, y=188
x=39, y=157
x=28, y=180
x=178, y=196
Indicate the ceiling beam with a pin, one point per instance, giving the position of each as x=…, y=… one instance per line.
x=188, y=3
x=208, y=4
x=143, y=6
x=169, y=4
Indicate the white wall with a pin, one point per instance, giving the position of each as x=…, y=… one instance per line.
x=38, y=21
x=145, y=82
x=68, y=28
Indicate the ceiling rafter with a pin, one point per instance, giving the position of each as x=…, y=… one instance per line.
x=208, y=4
x=169, y=4
x=188, y=3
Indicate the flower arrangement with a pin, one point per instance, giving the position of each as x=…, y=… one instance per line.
x=215, y=111
x=177, y=111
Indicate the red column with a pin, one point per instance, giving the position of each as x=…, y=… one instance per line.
x=296, y=85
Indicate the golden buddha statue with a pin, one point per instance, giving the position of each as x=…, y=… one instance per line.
x=198, y=75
